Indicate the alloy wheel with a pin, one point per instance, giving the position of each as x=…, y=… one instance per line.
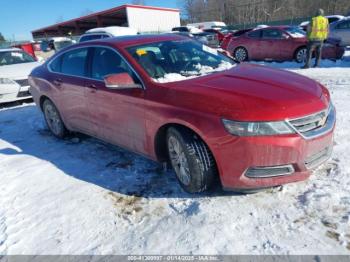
x=53, y=119
x=241, y=54
x=179, y=160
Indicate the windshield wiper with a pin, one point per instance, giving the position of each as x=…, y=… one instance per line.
x=190, y=74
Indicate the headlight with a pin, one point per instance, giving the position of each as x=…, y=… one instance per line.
x=6, y=81
x=257, y=128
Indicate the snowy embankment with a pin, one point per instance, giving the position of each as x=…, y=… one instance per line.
x=81, y=196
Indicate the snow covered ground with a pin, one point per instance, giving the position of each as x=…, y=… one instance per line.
x=81, y=196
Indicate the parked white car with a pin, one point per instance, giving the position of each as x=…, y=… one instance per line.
x=208, y=25
x=106, y=32
x=15, y=66
x=186, y=29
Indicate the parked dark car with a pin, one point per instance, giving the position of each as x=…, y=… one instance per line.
x=206, y=38
x=220, y=35
x=175, y=100
x=278, y=43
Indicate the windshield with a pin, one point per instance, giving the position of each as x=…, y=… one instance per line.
x=15, y=57
x=296, y=32
x=172, y=61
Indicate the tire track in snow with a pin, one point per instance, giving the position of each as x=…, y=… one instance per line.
x=3, y=232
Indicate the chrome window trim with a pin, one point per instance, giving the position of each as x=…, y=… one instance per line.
x=328, y=126
x=89, y=78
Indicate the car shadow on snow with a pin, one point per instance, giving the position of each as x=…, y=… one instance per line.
x=88, y=159
x=325, y=63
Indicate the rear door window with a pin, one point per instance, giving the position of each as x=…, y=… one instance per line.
x=55, y=65
x=74, y=62
x=272, y=34
x=255, y=34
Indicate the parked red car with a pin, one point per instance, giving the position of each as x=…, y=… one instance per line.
x=279, y=43
x=173, y=99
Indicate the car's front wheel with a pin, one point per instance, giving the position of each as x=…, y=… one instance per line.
x=53, y=119
x=240, y=54
x=191, y=160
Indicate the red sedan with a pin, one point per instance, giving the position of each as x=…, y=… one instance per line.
x=175, y=100
x=282, y=43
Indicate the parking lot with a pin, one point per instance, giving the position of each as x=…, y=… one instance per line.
x=82, y=196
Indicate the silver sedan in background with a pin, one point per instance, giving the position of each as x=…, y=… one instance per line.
x=341, y=30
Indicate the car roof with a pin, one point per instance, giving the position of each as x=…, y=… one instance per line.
x=125, y=41
x=281, y=27
x=335, y=16
x=112, y=30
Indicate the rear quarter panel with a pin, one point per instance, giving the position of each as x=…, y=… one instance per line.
x=40, y=86
x=251, y=45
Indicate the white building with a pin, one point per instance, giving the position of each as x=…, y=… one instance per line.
x=147, y=19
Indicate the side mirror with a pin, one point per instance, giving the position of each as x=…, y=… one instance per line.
x=120, y=81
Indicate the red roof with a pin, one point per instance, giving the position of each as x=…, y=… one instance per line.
x=108, y=11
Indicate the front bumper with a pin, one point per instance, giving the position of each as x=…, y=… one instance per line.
x=15, y=92
x=238, y=155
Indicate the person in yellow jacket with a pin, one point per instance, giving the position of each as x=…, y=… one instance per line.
x=317, y=33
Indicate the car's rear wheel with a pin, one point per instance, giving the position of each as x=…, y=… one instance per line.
x=300, y=55
x=191, y=160
x=240, y=54
x=53, y=119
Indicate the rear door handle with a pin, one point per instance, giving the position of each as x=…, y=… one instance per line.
x=57, y=82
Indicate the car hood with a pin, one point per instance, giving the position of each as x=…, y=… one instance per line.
x=252, y=92
x=17, y=71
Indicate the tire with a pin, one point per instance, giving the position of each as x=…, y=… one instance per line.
x=300, y=55
x=240, y=54
x=53, y=119
x=191, y=159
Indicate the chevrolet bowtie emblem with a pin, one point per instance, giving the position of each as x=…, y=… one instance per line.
x=323, y=121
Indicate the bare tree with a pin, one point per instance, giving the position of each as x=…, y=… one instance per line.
x=258, y=11
x=2, y=38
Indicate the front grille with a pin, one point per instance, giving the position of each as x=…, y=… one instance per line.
x=318, y=158
x=22, y=82
x=272, y=171
x=316, y=124
x=23, y=94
